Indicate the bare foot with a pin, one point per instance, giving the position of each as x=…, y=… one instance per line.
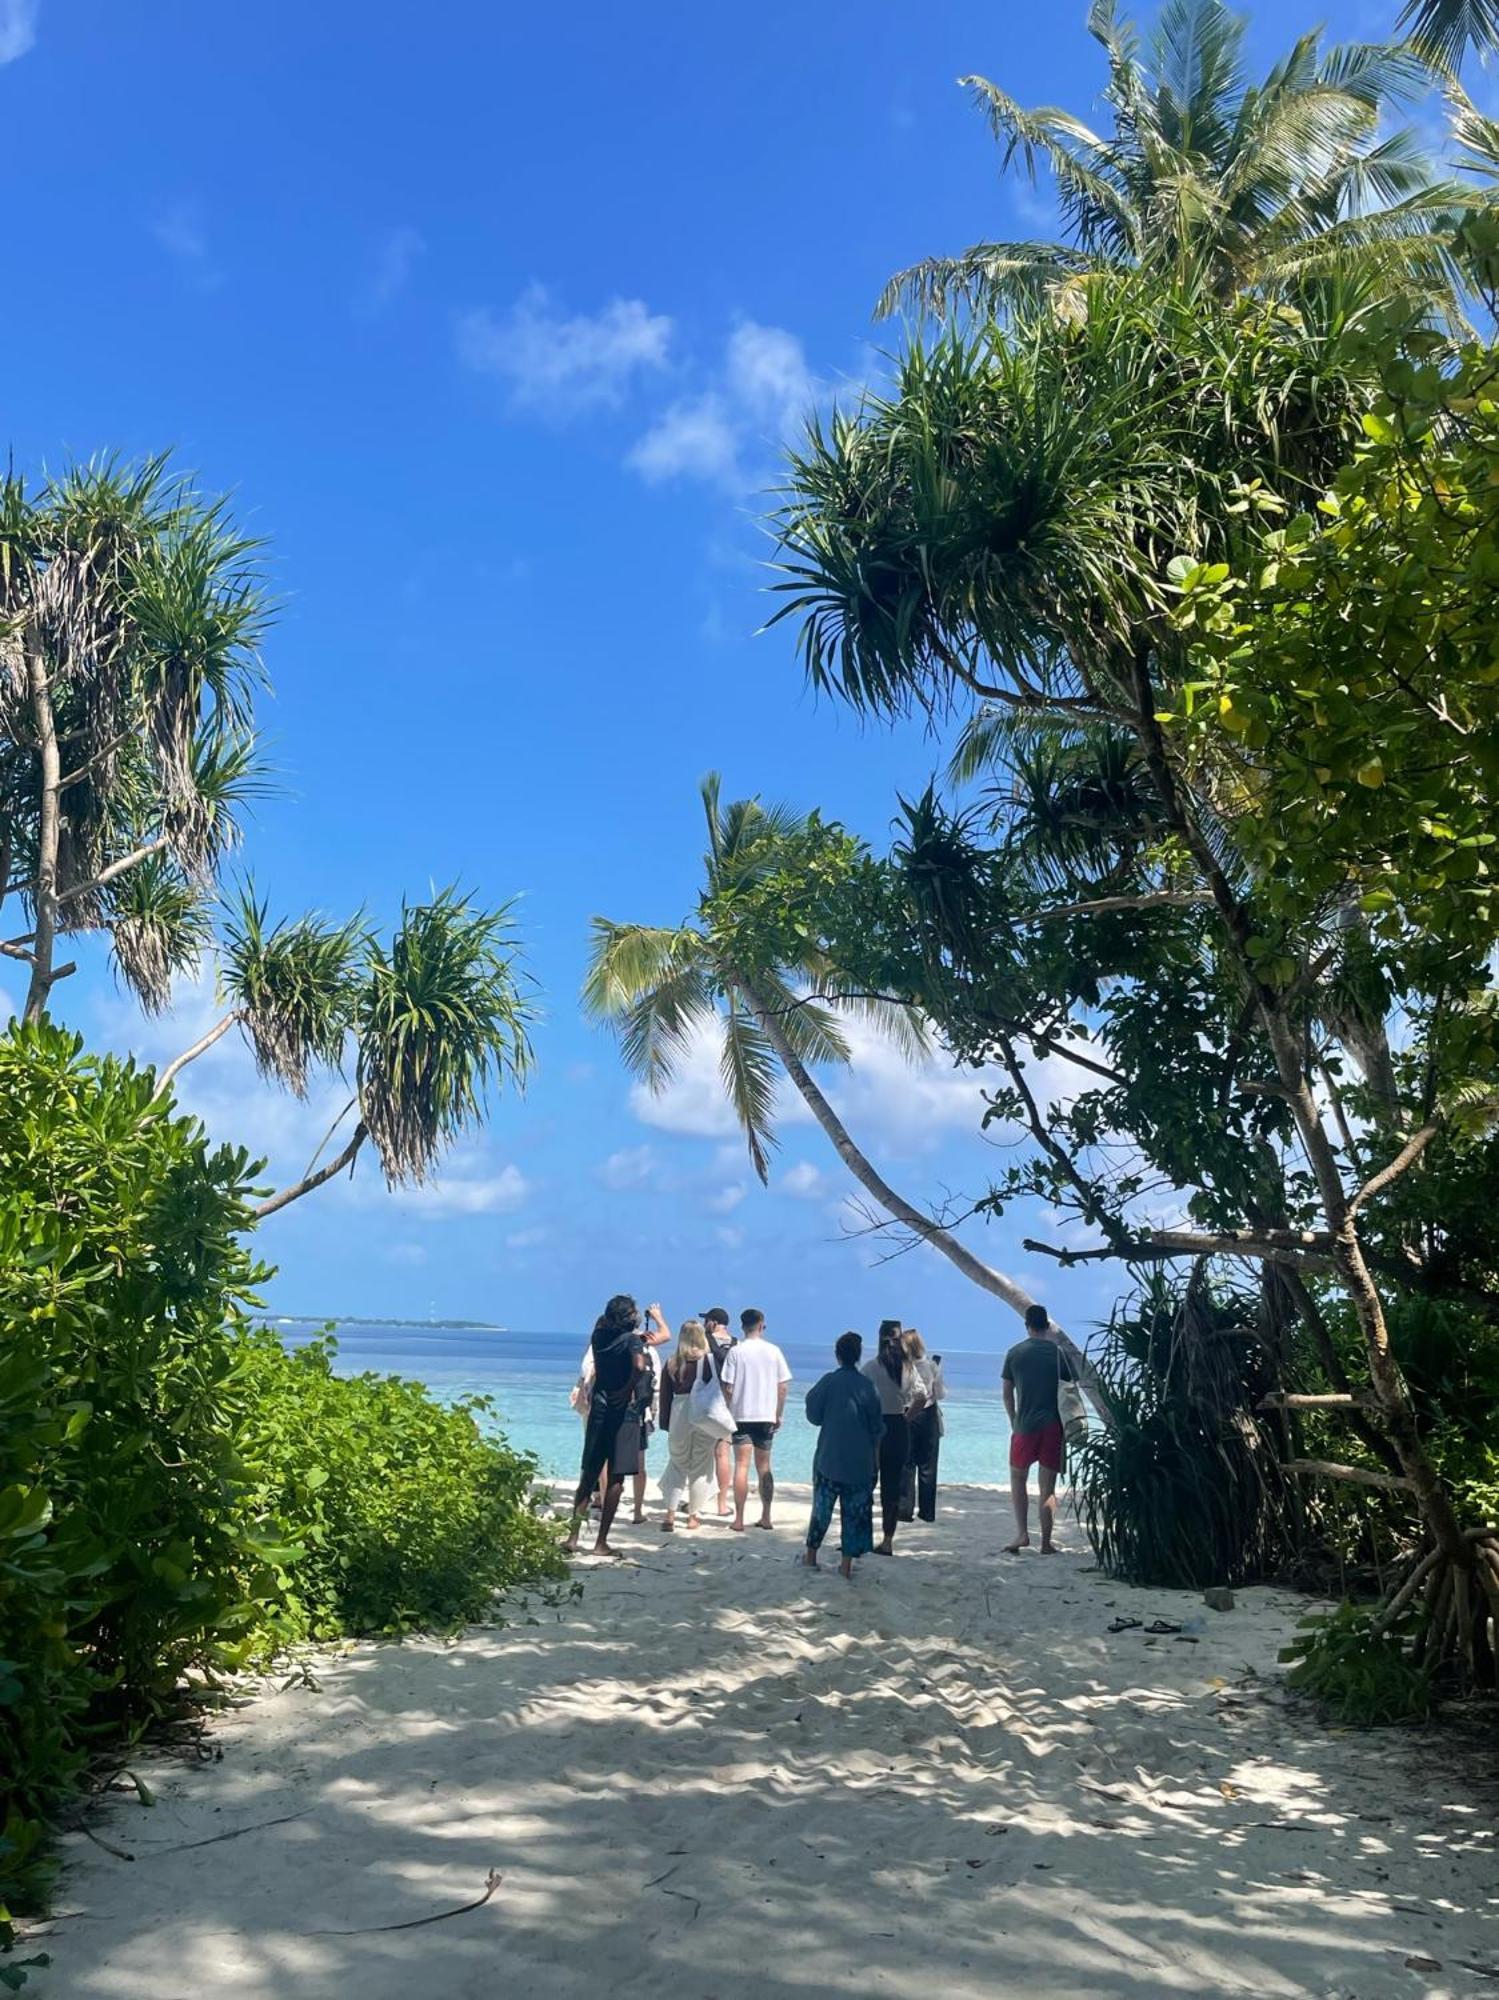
x=603, y=1549
x=693, y=1523
x=884, y=1548
x=846, y=1570
x=668, y=1526
x=764, y=1524
x=809, y=1559
x=1014, y=1548
x=639, y=1516
x=1051, y=1549
x=738, y=1527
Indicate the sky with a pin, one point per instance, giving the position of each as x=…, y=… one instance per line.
x=493, y=321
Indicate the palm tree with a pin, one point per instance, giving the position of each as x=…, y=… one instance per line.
x=1444, y=30
x=425, y=1023
x=1210, y=179
x=659, y=988
x=130, y=616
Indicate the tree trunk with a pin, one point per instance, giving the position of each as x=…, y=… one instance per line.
x=317, y=1180
x=896, y=1206
x=49, y=826
x=200, y=1047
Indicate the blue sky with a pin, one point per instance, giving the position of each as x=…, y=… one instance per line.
x=492, y=319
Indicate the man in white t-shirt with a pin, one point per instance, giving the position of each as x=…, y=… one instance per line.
x=755, y=1378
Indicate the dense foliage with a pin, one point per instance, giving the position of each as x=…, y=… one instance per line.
x=1213, y=582
x=176, y=1493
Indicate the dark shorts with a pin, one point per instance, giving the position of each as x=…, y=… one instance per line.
x=760, y=1436
x=611, y=1441
x=1043, y=1447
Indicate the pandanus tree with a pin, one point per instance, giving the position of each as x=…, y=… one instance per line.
x=131, y=616
x=1209, y=178
x=774, y=1001
x=1069, y=524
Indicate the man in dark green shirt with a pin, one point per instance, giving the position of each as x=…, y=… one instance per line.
x=1033, y=1371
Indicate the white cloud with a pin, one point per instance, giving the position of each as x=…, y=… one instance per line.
x=804, y=1181
x=729, y=1237
x=761, y=390
x=559, y=365
x=527, y=1239
x=395, y=259
x=179, y=230
x=888, y=1104
x=456, y=1192
x=631, y=1167
x=727, y=1199
x=17, y=28
x=766, y=369
x=697, y=439
x=406, y=1255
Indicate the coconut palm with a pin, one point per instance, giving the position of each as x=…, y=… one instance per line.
x=1445, y=30
x=660, y=988
x=1211, y=179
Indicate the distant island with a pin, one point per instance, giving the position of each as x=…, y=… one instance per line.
x=365, y=1319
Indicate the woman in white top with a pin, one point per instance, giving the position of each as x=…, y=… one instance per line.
x=919, y=1487
x=900, y=1398
x=690, y=1469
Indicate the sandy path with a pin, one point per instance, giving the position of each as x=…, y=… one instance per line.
x=716, y=1774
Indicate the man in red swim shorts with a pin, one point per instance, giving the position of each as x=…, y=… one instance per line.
x=1032, y=1371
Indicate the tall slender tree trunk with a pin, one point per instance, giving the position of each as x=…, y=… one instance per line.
x=910, y=1217
x=49, y=826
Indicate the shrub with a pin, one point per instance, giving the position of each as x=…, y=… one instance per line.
x=1186, y=1491
x=175, y=1491
x=1357, y=1676
x=406, y=1513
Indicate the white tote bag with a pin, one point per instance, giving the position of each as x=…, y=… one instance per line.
x=1070, y=1406
x=710, y=1410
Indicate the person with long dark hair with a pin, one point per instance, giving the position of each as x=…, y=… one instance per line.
x=895, y=1381
x=611, y=1439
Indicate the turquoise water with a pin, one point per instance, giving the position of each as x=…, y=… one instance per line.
x=529, y=1376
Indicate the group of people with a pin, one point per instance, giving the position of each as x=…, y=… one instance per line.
x=722, y=1401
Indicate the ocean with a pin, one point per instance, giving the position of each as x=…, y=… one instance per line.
x=529, y=1376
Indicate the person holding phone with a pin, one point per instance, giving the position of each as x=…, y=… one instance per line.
x=612, y=1448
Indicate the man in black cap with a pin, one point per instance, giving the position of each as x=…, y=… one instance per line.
x=720, y=1340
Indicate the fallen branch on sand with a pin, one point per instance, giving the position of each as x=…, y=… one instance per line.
x=492, y=1882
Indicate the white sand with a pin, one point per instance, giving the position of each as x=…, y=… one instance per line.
x=717, y=1774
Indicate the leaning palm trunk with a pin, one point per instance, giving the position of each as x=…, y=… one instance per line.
x=895, y=1205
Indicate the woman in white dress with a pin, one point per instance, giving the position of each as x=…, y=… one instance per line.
x=690, y=1442
x=919, y=1486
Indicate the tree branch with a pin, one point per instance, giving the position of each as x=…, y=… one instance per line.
x=1155, y=899
x=1408, y=1155
x=200, y=1047
x=317, y=1180
x=1356, y=1475
x=126, y=861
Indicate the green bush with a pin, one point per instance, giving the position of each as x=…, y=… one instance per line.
x=408, y=1515
x=1357, y=1676
x=175, y=1491
x=1186, y=1490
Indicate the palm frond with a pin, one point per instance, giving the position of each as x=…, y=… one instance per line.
x=295, y=986
x=1443, y=31
x=159, y=927
x=748, y=1066
x=445, y=1009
